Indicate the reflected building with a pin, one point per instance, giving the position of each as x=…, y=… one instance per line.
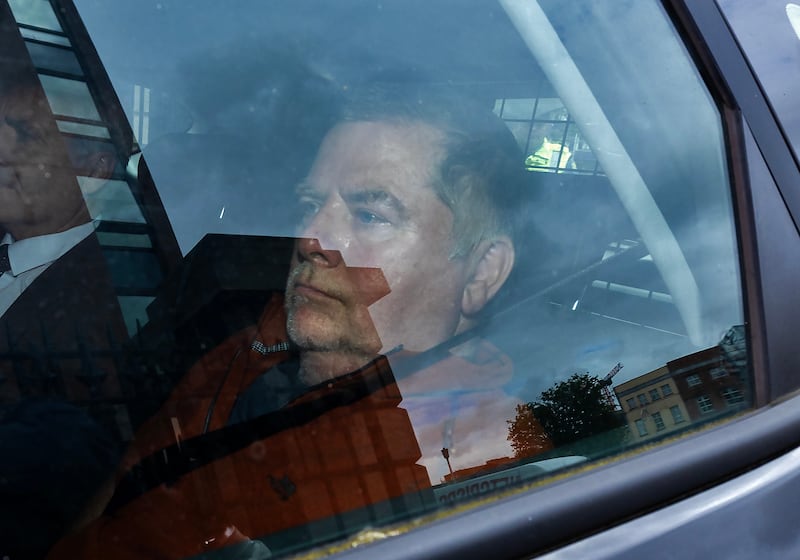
x=72, y=345
x=652, y=404
x=694, y=388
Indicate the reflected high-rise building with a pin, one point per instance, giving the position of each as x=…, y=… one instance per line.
x=65, y=334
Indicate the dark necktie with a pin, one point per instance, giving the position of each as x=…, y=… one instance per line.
x=5, y=264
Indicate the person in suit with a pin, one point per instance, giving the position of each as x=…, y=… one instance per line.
x=53, y=455
x=60, y=323
x=57, y=302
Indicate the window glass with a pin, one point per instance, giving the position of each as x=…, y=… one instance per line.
x=336, y=265
x=705, y=404
x=550, y=143
x=732, y=396
x=69, y=97
x=110, y=200
x=54, y=58
x=123, y=239
x=772, y=28
x=38, y=13
x=659, y=422
x=718, y=372
x=83, y=129
x=44, y=36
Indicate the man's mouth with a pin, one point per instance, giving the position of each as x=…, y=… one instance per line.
x=310, y=291
x=363, y=286
x=309, y=284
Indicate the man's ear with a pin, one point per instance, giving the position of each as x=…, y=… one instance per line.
x=492, y=261
x=99, y=165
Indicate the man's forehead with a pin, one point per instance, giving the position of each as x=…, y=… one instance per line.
x=377, y=156
x=388, y=129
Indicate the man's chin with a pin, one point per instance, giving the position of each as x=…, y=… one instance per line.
x=312, y=331
x=329, y=337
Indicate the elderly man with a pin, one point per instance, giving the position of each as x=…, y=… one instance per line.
x=347, y=392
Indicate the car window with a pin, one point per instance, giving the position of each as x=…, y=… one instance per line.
x=773, y=29
x=305, y=269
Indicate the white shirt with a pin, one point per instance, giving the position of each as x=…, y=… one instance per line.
x=30, y=257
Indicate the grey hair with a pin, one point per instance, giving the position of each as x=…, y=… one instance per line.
x=481, y=174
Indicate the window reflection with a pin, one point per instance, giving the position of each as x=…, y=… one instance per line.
x=59, y=324
x=37, y=13
x=773, y=28
x=695, y=387
x=348, y=339
x=69, y=97
x=52, y=57
x=65, y=379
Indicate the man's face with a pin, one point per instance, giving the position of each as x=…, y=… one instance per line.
x=36, y=177
x=372, y=269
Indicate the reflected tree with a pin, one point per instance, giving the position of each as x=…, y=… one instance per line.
x=526, y=434
x=570, y=411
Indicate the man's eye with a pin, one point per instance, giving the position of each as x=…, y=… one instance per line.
x=369, y=218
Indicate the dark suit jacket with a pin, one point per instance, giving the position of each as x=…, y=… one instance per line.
x=58, y=338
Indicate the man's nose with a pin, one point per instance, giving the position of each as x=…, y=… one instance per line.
x=323, y=238
x=310, y=249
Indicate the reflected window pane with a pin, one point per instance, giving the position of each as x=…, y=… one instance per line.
x=518, y=109
x=45, y=37
x=550, y=109
x=134, y=309
x=69, y=97
x=38, y=13
x=110, y=200
x=54, y=58
x=83, y=129
x=111, y=239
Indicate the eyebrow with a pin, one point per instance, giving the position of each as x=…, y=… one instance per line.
x=366, y=196
x=304, y=188
x=377, y=196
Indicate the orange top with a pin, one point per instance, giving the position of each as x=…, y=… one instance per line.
x=339, y=450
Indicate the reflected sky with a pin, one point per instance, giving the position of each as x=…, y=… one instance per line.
x=241, y=79
x=245, y=77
